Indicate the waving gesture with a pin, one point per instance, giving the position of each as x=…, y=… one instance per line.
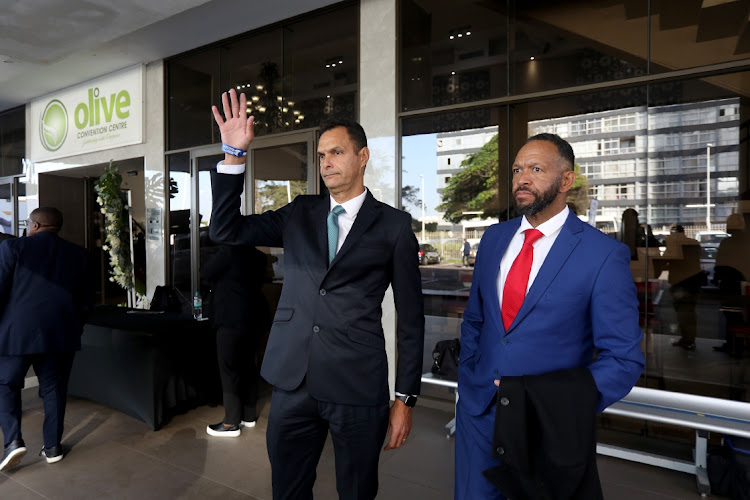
x=236, y=128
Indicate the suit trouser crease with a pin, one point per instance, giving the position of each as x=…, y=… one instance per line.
x=238, y=371
x=298, y=427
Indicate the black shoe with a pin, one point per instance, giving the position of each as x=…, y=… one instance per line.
x=685, y=344
x=13, y=453
x=221, y=430
x=54, y=454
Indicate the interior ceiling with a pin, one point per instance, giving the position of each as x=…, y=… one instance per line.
x=48, y=45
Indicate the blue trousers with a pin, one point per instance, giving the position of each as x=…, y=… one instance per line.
x=474, y=455
x=53, y=372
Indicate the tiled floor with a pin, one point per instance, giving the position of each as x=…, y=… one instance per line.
x=115, y=456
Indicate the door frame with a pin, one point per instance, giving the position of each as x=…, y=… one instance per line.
x=14, y=181
x=195, y=155
x=308, y=136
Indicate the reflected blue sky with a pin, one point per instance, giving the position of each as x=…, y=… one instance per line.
x=419, y=156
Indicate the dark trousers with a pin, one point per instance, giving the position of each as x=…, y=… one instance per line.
x=298, y=426
x=685, y=300
x=238, y=370
x=53, y=372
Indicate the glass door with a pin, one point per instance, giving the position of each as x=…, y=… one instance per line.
x=190, y=208
x=13, y=213
x=280, y=168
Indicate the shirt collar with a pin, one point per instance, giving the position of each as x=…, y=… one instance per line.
x=352, y=206
x=548, y=227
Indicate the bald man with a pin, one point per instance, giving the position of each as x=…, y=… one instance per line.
x=44, y=296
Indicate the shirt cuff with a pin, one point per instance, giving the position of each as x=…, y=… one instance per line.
x=230, y=169
x=411, y=395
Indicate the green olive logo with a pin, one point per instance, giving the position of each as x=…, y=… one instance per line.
x=53, y=128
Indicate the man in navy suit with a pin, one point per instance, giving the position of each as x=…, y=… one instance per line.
x=44, y=295
x=326, y=355
x=579, y=300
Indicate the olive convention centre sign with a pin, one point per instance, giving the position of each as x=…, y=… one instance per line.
x=101, y=114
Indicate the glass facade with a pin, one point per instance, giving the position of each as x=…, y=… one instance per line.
x=665, y=159
x=12, y=141
x=293, y=74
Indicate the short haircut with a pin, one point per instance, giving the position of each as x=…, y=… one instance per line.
x=47, y=216
x=354, y=129
x=563, y=147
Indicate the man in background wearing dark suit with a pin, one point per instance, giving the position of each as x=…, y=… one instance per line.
x=241, y=316
x=44, y=296
x=326, y=355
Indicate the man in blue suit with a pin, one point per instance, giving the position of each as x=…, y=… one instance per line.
x=579, y=299
x=44, y=295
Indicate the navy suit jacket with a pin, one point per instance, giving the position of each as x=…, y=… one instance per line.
x=582, y=300
x=327, y=329
x=44, y=294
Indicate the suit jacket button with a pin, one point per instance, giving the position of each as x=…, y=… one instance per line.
x=504, y=341
x=316, y=329
x=500, y=450
x=504, y=401
x=323, y=292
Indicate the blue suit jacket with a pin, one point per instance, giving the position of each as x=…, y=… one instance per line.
x=583, y=300
x=44, y=295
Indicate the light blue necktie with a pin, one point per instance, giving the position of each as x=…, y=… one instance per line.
x=333, y=231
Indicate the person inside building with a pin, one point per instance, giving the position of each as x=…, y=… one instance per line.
x=326, y=356
x=686, y=277
x=241, y=316
x=550, y=292
x=45, y=295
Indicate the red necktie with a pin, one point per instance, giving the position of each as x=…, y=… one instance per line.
x=518, y=278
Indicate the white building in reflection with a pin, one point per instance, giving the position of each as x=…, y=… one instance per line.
x=654, y=159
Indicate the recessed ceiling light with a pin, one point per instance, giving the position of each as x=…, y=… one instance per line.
x=531, y=58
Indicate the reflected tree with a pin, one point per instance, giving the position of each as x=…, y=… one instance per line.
x=475, y=188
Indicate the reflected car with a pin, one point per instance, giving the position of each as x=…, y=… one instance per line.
x=473, y=253
x=710, y=241
x=428, y=254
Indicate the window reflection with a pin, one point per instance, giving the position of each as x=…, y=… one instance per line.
x=294, y=76
x=6, y=208
x=179, y=224
x=445, y=189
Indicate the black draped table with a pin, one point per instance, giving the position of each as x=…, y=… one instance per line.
x=148, y=365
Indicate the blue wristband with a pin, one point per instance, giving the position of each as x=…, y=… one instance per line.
x=233, y=151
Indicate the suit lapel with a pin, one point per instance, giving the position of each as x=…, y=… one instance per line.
x=365, y=217
x=500, y=246
x=319, y=225
x=562, y=248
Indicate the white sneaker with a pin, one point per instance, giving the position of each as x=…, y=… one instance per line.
x=247, y=424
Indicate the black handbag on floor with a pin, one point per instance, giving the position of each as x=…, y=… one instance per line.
x=445, y=358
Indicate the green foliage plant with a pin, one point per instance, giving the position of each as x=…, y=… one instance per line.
x=116, y=228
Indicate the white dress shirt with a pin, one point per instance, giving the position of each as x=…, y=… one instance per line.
x=550, y=229
x=346, y=219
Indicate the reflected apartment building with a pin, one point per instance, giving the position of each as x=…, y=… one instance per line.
x=657, y=160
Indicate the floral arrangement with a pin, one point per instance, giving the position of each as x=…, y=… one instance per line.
x=116, y=229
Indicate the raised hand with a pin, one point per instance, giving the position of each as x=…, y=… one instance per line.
x=236, y=128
